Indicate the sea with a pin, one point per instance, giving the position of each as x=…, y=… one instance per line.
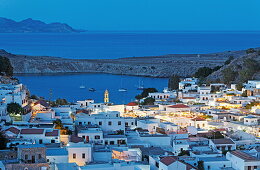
x=110, y=45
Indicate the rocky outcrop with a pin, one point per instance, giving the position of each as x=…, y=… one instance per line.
x=241, y=68
x=33, y=26
x=154, y=66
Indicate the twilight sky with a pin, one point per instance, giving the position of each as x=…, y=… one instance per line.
x=157, y=15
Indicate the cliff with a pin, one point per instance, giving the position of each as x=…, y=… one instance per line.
x=33, y=26
x=154, y=66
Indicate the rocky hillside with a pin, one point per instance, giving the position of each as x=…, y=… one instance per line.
x=7, y=80
x=239, y=70
x=33, y=26
x=154, y=66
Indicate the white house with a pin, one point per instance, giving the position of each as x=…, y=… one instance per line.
x=171, y=162
x=222, y=144
x=148, y=124
x=215, y=163
x=57, y=155
x=178, y=108
x=91, y=135
x=241, y=160
x=188, y=84
x=79, y=153
x=251, y=120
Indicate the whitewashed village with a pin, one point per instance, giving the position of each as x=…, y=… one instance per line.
x=209, y=127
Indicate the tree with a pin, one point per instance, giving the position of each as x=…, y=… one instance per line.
x=173, y=82
x=3, y=141
x=34, y=97
x=183, y=152
x=59, y=102
x=250, y=50
x=201, y=165
x=244, y=94
x=239, y=86
x=146, y=92
x=229, y=60
x=149, y=101
x=229, y=75
x=15, y=108
x=203, y=72
x=58, y=124
x=5, y=66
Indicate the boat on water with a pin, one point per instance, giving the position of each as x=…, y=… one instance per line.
x=91, y=89
x=140, y=86
x=122, y=90
x=82, y=87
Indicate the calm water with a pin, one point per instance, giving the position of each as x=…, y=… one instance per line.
x=114, y=45
x=67, y=86
x=126, y=44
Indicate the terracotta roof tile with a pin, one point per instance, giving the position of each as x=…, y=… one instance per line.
x=76, y=139
x=132, y=104
x=32, y=131
x=246, y=157
x=168, y=160
x=53, y=133
x=222, y=141
x=13, y=130
x=179, y=106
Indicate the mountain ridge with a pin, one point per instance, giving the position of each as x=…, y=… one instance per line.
x=30, y=25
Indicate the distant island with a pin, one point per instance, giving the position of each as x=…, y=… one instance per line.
x=34, y=26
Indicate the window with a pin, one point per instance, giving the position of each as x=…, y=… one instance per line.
x=89, y=123
x=157, y=164
x=126, y=123
x=52, y=141
x=40, y=141
x=80, y=123
x=25, y=157
x=132, y=123
x=97, y=137
x=110, y=123
x=112, y=142
x=100, y=123
x=119, y=123
x=83, y=156
x=74, y=156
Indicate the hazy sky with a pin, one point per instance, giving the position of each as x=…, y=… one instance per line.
x=140, y=14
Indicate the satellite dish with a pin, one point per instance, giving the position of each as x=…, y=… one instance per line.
x=192, y=130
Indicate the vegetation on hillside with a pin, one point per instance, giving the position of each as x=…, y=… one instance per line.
x=204, y=72
x=5, y=67
x=241, y=70
x=173, y=82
